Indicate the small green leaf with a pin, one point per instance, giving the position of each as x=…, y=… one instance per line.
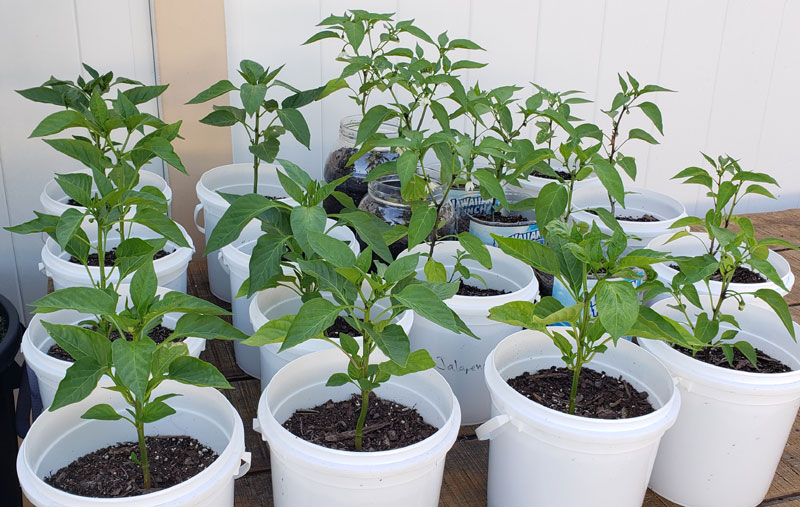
x=331, y=249
x=220, y=87
x=435, y=271
x=401, y=268
x=294, y=122
x=423, y=218
x=274, y=331
x=313, y=318
x=338, y=379
x=132, y=360
x=641, y=134
x=193, y=371
x=475, y=248
x=79, y=381
x=617, y=307
x=156, y=410
x=652, y=112
x=102, y=412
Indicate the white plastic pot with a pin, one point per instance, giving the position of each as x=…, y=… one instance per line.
x=305, y=474
x=170, y=270
x=692, y=246
x=54, y=200
x=537, y=454
x=460, y=358
x=49, y=370
x=533, y=185
x=230, y=179
x=58, y=438
x=271, y=304
x=471, y=204
x=733, y=426
x=235, y=261
x=666, y=209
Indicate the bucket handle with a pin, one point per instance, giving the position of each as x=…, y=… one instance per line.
x=221, y=259
x=489, y=429
x=43, y=270
x=197, y=210
x=257, y=425
x=244, y=467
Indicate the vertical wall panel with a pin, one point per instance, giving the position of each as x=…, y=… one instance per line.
x=43, y=38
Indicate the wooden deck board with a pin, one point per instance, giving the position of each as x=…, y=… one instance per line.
x=464, y=483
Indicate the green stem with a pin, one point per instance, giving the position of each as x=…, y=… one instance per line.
x=256, y=160
x=143, y=461
x=362, y=417
x=573, y=393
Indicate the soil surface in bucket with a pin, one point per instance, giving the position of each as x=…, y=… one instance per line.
x=599, y=396
x=647, y=217
x=714, y=356
x=389, y=425
x=741, y=275
x=465, y=289
x=564, y=175
x=341, y=326
x=110, y=473
x=499, y=218
x=111, y=257
x=158, y=334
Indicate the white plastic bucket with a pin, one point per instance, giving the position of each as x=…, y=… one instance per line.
x=170, y=270
x=537, y=453
x=49, y=370
x=235, y=261
x=690, y=246
x=305, y=474
x=231, y=179
x=271, y=304
x=460, y=358
x=54, y=200
x=533, y=184
x=733, y=426
x=640, y=201
x=58, y=438
x=471, y=204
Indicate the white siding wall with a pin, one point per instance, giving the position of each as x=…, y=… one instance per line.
x=734, y=64
x=40, y=38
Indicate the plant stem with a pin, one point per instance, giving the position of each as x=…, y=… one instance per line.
x=143, y=461
x=362, y=417
x=573, y=392
x=256, y=159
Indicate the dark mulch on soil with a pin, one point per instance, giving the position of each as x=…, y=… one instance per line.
x=158, y=334
x=465, y=289
x=111, y=257
x=73, y=202
x=110, y=473
x=500, y=218
x=546, y=281
x=714, y=356
x=564, y=175
x=389, y=425
x=341, y=326
x=647, y=217
x=599, y=396
x=741, y=275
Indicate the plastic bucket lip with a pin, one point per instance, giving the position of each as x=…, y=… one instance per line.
x=239, y=174
x=233, y=451
x=736, y=381
x=51, y=194
x=368, y=463
x=554, y=422
x=527, y=288
x=693, y=245
x=591, y=197
x=54, y=258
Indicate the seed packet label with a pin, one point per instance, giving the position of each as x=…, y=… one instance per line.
x=484, y=232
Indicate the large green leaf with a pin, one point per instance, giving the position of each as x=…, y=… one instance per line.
x=335, y=251
x=392, y=341
x=610, y=179
x=305, y=220
x=314, y=317
x=83, y=151
x=423, y=219
x=220, y=87
x=142, y=94
x=161, y=224
x=371, y=122
x=79, y=381
x=551, y=204
x=401, y=268
x=132, y=361
x=419, y=360
x=274, y=331
x=68, y=224
x=294, y=122
x=617, y=307
x=265, y=261
x=532, y=253
x=56, y=122
x=779, y=306
x=241, y=211
x=184, y=303
x=81, y=299
x=80, y=342
x=164, y=355
x=209, y=327
x=252, y=96
x=428, y=305
x=370, y=229
x=77, y=186
x=193, y=371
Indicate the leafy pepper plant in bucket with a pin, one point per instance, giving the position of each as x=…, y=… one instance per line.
x=136, y=365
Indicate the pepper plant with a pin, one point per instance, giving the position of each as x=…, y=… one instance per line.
x=136, y=365
x=263, y=119
x=114, y=140
x=370, y=300
x=729, y=245
x=597, y=274
x=607, y=165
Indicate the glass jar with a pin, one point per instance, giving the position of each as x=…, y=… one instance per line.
x=385, y=201
x=336, y=165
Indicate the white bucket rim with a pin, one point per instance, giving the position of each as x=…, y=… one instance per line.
x=372, y=463
x=559, y=423
x=208, y=195
x=235, y=450
x=636, y=193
